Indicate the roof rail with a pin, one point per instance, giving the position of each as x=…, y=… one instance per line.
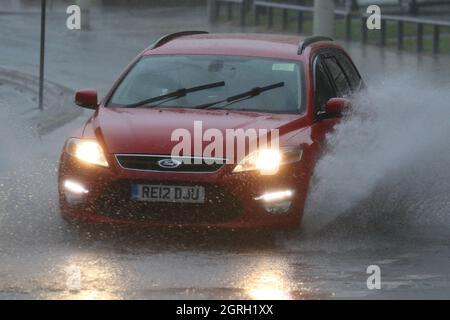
x=310, y=40
x=171, y=36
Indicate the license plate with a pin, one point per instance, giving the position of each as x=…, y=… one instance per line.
x=167, y=193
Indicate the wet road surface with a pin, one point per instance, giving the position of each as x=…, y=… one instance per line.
x=397, y=225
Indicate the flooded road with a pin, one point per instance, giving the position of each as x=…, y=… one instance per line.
x=379, y=197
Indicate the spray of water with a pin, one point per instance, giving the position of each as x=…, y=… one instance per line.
x=387, y=163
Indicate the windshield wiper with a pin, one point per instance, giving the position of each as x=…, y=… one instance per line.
x=241, y=96
x=175, y=95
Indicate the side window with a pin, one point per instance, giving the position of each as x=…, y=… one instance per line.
x=338, y=76
x=352, y=74
x=323, y=90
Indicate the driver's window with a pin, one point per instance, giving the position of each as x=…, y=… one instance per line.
x=338, y=76
x=323, y=90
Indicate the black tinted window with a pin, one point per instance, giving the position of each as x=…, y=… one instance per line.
x=338, y=76
x=351, y=72
x=323, y=89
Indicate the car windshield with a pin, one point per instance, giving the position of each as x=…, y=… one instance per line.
x=155, y=76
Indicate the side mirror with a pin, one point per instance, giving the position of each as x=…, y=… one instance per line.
x=335, y=106
x=86, y=99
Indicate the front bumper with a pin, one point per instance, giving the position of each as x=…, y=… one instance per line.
x=230, y=198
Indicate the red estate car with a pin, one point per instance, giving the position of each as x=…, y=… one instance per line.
x=120, y=168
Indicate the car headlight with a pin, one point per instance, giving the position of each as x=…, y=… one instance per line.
x=87, y=150
x=268, y=161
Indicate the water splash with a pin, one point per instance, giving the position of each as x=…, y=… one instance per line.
x=387, y=163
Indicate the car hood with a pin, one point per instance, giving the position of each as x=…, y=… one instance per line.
x=142, y=130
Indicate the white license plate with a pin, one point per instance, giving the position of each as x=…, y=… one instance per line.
x=167, y=193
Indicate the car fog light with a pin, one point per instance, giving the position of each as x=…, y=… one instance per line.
x=276, y=202
x=74, y=191
x=278, y=207
x=275, y=196
x=75, y=187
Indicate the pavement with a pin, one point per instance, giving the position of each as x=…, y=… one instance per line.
x=392, y=171
x=58, y=107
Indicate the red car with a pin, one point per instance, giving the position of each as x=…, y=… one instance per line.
x=120, y=168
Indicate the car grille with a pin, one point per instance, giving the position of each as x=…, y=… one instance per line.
x=151, y=163
x=219, y=206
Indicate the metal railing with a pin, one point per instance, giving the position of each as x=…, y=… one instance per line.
x=400, y=21
x=304, y=13
x=242, y=5
x=269, y=7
